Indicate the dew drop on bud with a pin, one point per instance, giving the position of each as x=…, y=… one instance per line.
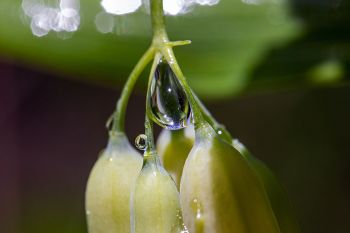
x=167, y=99
x=141, y=142
x=223, y=134
x=198, y=212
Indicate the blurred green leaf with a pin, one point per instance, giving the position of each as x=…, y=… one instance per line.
x=229, y=40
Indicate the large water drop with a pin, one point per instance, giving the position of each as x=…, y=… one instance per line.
x=168, y=101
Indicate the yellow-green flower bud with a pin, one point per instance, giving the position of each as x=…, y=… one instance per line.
x=220, y=193
x=173, y=148
x=155, y=201
x=276, y=193
x=109, y=186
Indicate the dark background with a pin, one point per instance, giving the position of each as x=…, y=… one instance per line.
x=52, y=129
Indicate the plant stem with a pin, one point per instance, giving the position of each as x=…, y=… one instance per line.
x=158, y=23
x=197, y=113
x=161, y=41
x=163, y=47
x=149, y=134
x=148, y=123
x=119, y=115
x=224, y=134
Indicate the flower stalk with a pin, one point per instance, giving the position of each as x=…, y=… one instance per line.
x=160, y=46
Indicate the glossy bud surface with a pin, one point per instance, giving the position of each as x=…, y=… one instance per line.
x=109, y=187
x=220, y=192
x=276, y=193
x=155, y=201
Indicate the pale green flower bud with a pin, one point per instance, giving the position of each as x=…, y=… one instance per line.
x=109, y=186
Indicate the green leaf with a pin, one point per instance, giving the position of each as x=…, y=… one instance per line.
x=228, y=41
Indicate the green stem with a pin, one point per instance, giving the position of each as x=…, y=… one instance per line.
x=163, y=46
x=148, y=123
x=197, y=113
x=224, y=134
x=161, y=42
x=119, y=115
x=158, y=23
x=149, y=133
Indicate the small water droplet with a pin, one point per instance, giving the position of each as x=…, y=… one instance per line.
x=198, y=211
x=223, y=134
x=168, y=101
x=141, y=142
x=181, y=223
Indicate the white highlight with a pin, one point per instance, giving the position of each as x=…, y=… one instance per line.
x=238, y=145
x=207, y=2
x=104, y=22
x=121, y=7
x=174, y=7
x=252, y=2
x=171, y=7
x=45, y=18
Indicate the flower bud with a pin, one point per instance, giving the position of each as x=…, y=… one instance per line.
x=277, y=195
x=109, y=186
x=173, y=148
x=220, y=192
x=155, y=201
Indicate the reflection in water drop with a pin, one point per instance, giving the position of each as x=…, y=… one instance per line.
x=141, y=142
x=45, y=18
x=167, y=99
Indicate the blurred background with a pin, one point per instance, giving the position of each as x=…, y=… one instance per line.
x=275, y=72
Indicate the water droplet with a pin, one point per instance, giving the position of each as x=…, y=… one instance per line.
x=181, y=223
x=223, y=134
x=141, y=142
x=198, y=211
x=168, y=101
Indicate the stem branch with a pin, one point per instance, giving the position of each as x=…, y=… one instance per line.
x=149, y=134
x=119, y=115
x=161, y=42
x=161, y=46
x=195, y=108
